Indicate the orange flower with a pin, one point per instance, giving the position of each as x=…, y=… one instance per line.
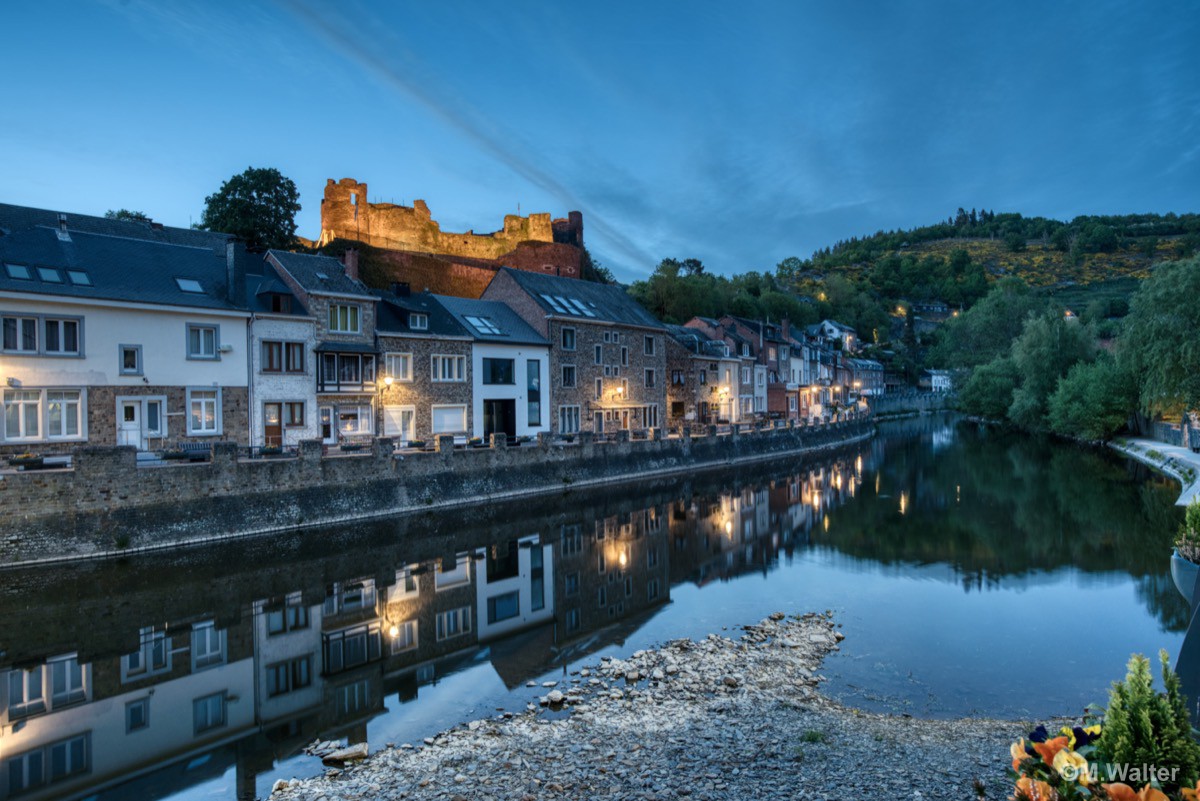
x=1030, y=790
x=1123, y=792
x=1190, y=794
x=1019, y=754
x=1049, y=749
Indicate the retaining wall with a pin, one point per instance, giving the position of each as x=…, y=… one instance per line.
x=107, y=504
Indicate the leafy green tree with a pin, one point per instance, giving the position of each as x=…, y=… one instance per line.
x=987, y=329
x=1015, y=242
x=1048, y=347
x=259, y=206
x=1161, y=341
x=590, y=269
x=989, y=391
x=1094, y=401
x=126, y=214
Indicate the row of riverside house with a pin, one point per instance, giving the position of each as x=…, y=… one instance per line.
x=119, y=332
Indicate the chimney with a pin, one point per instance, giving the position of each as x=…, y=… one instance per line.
x=233, y=275
x=62, y=232
x=785, y=325
x=350, y=259
x=401, y=289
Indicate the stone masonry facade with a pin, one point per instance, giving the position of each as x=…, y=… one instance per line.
x=422, y=392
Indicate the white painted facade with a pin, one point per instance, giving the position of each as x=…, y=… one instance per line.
x=277, y=641
x=520, y=601
x=276, y=389
x=106, y=745
x=517, y=391
x=156, y=336
x=760, y=389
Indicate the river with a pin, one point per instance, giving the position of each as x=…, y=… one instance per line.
x=974, y=572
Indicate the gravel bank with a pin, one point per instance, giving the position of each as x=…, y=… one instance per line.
x=714, y=719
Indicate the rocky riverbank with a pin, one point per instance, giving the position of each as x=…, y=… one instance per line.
x=716, y=719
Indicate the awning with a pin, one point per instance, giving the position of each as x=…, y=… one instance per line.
x=345, y=347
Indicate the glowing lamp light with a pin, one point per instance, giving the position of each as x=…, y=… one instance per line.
x=621, y=559
x=394, y=631
x=387, y=380
x=729, y=527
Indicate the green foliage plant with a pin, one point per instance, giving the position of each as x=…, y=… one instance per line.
x=1145, y=727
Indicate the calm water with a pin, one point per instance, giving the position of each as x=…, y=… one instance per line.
x=974, y=573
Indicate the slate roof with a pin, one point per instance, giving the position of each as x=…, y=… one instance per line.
x=18, y=218
x=307, y=269
x=605, y=302
x=697, y=341
x=394, y=311
x=757, y=326
x=260, y=288
x=513, y=330
x=119, y=268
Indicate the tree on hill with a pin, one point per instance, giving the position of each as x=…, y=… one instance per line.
x=259, y=206
x=1161, y=339
x=987, y=329
x=1049, y=346
x=126, y=214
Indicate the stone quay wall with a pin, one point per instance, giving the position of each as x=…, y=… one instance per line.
x=904, y=404
x=107, y=504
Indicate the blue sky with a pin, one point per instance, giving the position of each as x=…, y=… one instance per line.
x=739, y=134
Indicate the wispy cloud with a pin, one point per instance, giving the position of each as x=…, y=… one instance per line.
x=402, y=71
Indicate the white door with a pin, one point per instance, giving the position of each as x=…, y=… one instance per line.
x=398, y=422
x=129, y=424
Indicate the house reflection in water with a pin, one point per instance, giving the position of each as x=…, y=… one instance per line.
x=313, y=647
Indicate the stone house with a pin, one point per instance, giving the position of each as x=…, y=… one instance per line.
x=427, y=357
x=510, y=364
x=752, y=382
x=344, y=313
x=608, y=358
x=703, y=379
x=116, y=332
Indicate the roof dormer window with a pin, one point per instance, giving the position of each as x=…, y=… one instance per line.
x=18, y=271
x=418, y=322
x=189, y=285
x=50, y=275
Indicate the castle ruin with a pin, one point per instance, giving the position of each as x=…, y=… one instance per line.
x=537, y=242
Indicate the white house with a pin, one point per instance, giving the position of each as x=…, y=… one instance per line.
x=113, y=339
x=940, y=381
x=515, y=588
x=510, y=363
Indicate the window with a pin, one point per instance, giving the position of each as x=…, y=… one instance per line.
x=503, y=607
x=346, y=372
x=352, y=647
x=18, y=271
x=49, y=764
x=202, y=341
x=652, y=590
x=208, y=646
x=571, y=584
x=448, y=419
x=204, y=412
x=272, y=357
x=537, y=579
x=293, y=414
x=131, y=359
x=452, y=573
x=20, y=334
x=498, y=371
x=624, y=356
x=22, y=414
x=418, y=322
x=652, y=558
x=483, y=325
x=281, y=304
x=153, y=656
x=293, y=357
x=137, y=715
x=791, y=403
x=568, y=376
x=572, y=540
x=407, y=584
x=568, y=419
x=289, y=675
x=449, y=368
x=453, y=623
x=568, y=339
x=398, y=366
x=572, y=620
x=649, y=346
x=25, y=692
x=677, y=378
x=64, y=414
x=599, y=388
x=189, y=285
x=629, y=586
x=745, y=375
x=404, y=636
x=602, y=596
x=50, y=275
x=208, y=713
x=343, y=319
x=533, y=392
x=650, y=377
x=62, y=337
x=599, y=354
